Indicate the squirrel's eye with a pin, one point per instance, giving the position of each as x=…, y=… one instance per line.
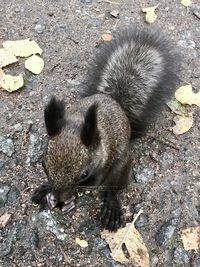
x=84, y=175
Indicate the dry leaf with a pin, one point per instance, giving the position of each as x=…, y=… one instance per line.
x=22, y=48
x=191, y=238
x=5, y=219
x=106, y=37
x=35, y=64
x=134, y=244
x=186, y=3
x=81, y=243
x=11, y=83
x=1, y=74
x=6, y=58
x=183, y=124
x=177, y=107
x=150, y=16
x=185, y=95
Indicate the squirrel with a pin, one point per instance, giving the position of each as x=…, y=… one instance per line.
x=128, y=83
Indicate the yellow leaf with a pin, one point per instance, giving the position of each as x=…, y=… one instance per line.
x=106, y=37
x=185, y=95
x=191, y=238
x=22, y=48
x=1, y=74
x=35, y=64
x=6, y=58
x=11, y=83
x=81, y=243
x=177, y=107
x=150, y=16
x=134, y=244
x=186, y=3
x=183, y=124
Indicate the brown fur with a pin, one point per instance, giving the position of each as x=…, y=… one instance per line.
x=130, y=80
x=67, y=157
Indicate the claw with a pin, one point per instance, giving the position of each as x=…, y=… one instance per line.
x=51, y=200
x=68, y=205
x=111, y=215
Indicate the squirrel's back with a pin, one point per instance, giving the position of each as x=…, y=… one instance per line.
x=138, y=69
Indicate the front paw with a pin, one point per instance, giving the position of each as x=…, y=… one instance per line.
x=39, y=196
x=111, y=215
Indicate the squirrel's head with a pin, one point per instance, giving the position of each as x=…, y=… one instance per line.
x=73, y=138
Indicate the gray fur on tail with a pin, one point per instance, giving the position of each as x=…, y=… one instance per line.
x=138, y=69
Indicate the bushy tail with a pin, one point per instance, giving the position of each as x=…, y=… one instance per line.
x=138, y=68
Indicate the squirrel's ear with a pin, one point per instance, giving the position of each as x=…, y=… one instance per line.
x=54, y=115
x=89, y=132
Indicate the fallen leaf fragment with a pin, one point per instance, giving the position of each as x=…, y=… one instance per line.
x=185, y=95
x=22, y=48
x=177, y=107
x=183, y=124
x=133, y=241
x=186, y=3
x=5, y=219
x=82, y=243
x=150, y=16
x=35, y=64
x=11, y=83
x=191, y=238
x=6, y=58
x=106, y=37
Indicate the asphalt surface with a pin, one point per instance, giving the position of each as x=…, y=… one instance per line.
x=166, y=173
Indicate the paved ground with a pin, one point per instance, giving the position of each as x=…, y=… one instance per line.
x=166, y=180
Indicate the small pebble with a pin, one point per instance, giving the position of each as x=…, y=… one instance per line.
x=166, y=233
x=143, y=174
x=4, y=190
x=51, y=13
x=39, y=28
x=86, y=1
x=187, y=43
x=6, y=146
x=18, y=127
x=13, y=194
x=196, y=10
x=114, y=13
x=180, y=257
x=17, y=10
x=2, y=163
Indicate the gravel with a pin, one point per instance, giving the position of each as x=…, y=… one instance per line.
x=34, y=149
x=6, y=146
x=165, y=236
x=39, y=28
x=4, y=190
x=166, y=167
x=143, y=174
